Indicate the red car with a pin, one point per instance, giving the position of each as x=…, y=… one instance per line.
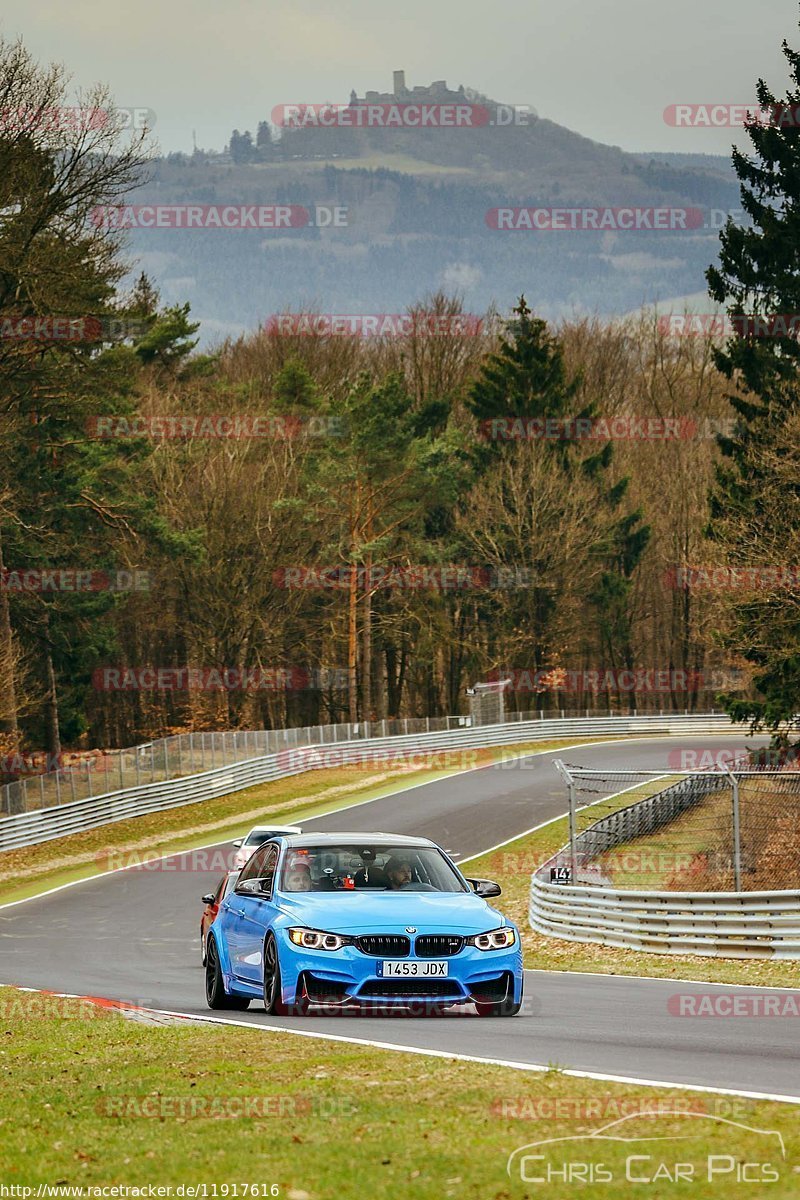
x=212, y=902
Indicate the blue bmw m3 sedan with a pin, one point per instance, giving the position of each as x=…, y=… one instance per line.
x=353, y=920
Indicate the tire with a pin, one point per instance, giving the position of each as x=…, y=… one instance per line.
x=273, y=1000
x=506, y=1008
x=216, y=996
x=499, y=1008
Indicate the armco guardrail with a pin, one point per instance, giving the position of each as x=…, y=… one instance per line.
x=83, y=775
x=717, y=924
x=44, y=824
x=646, y=816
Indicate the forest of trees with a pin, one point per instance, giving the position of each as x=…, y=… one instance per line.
x=284, y=518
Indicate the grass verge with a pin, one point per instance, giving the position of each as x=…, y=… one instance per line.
x=113, y=1102
x=34, y=869
x=512, y=867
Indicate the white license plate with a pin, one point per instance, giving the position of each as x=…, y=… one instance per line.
x=404, y=968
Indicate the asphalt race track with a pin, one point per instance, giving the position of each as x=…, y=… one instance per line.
x=133, y=936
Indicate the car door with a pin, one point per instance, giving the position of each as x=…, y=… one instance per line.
x=251, y=915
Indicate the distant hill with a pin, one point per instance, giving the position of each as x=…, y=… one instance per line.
x=417, y=204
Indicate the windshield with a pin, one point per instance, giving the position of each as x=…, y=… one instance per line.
x=256, y=837
x=362, y=867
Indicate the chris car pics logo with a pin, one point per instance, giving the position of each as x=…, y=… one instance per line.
x=694, y=1148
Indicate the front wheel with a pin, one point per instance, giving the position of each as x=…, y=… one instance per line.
x=273, y=998
x=506, y=1008
x=216, y=996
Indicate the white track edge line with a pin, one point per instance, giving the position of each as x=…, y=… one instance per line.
x=497, y=1062
x=513, y=1064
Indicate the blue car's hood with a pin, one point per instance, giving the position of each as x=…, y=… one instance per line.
x=390, y=912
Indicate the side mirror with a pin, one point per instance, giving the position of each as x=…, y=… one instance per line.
x=254, y=887
x=237, y=843
x=248, y=887
x=485, y=888
x=209, y=899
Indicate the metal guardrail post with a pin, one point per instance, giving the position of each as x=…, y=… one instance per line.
x=737, y=834
x=573, y=836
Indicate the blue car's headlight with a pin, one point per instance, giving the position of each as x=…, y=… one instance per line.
x=318, y=939
x=495, y=939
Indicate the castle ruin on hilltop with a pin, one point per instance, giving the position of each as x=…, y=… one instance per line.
x=438, y=92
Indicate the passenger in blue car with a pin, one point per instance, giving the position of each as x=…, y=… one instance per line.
x=370, y=875
x=298, y=878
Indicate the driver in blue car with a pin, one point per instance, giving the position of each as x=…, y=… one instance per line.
x=398, y=871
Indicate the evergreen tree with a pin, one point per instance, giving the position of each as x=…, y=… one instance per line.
x=241, y=147
x=758, y=276
x=527, y=379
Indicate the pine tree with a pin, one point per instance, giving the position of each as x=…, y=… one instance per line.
x=527, y=378
x=758, y=276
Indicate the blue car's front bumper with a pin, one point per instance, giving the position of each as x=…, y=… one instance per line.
x=349, y=976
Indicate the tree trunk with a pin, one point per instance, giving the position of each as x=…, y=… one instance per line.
x=8, y=688
x=380, y=685
x=352, y=643
x=52, y=734
x=366, y=653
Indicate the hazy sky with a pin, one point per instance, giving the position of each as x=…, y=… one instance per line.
x=605, y=68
